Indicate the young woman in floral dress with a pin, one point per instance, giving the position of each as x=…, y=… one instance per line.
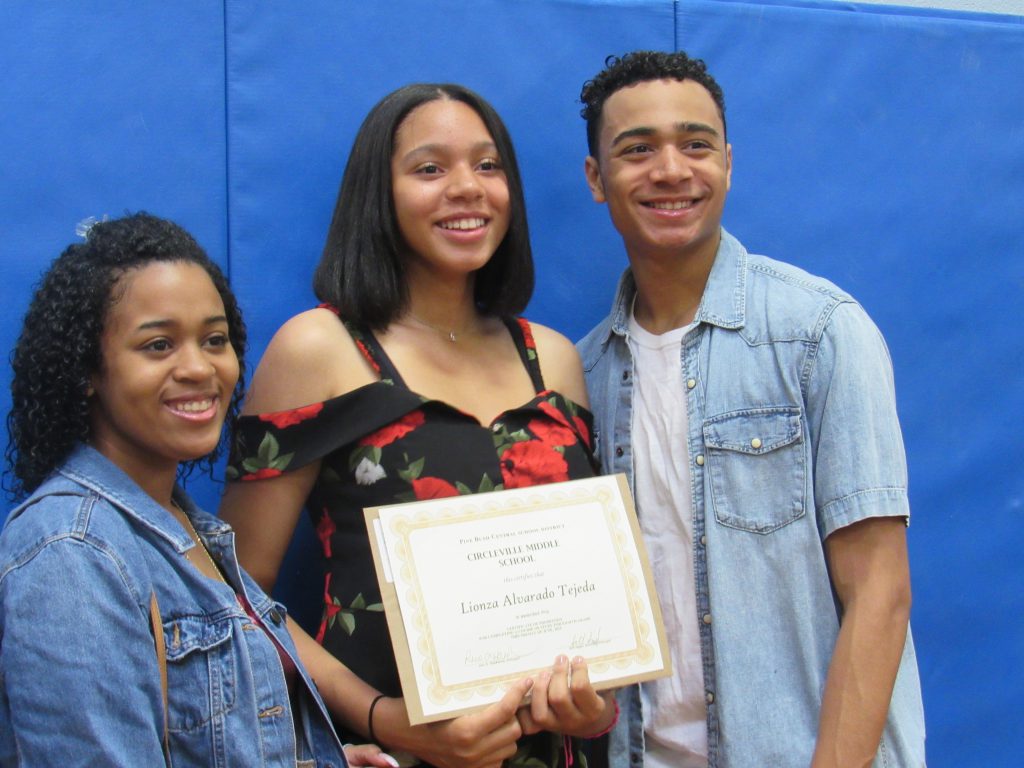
x=415, y=379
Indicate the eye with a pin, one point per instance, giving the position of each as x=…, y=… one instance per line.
x=157, y=345
x=490, y=164
x=429, y=169
x=697, y=145
x=218, y=340
x=636, y=149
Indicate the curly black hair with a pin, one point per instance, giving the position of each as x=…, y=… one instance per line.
x=638, y=67
x=59, y=346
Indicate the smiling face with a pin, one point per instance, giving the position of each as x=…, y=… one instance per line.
x=450, y=192
x=663, y=169
x=167, y=371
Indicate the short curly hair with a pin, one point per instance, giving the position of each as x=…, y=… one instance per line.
x=638, y=67
x=59, y=347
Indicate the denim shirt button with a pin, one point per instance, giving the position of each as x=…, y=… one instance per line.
x=706, y=618
x=625, y=375
x=700, y=460
x=275, y=616
x=619, y=452
x=691, y=383
x=709, y=697
x=755, y=443
x=703, y=541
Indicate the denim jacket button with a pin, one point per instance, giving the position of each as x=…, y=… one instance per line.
x=709, y=697
x=691, y=383
x=755, y=443
x=706, y=618
x=275, y=616
x=625, y=375
x=703, y=541
x=619, y=452
x=700, y=460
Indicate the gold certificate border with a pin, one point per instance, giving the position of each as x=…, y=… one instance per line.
x=616, y=504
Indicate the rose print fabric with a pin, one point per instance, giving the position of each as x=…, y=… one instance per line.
x=383, y=443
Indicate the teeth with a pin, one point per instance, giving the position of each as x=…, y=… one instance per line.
x=676, y=205
x=194, y=406
x=463, y=224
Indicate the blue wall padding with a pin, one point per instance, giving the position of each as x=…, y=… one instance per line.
x=878, y=146
x=105, y=108
x=887, y=153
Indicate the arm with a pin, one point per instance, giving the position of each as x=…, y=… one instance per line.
x=310, y=359
x=871, y=576
x=78, y=669
x=860, y=483
x=481, y=740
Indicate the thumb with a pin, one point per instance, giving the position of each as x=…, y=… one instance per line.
x=506, y=707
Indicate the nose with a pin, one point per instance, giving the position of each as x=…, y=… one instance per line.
x=193, y=364
x=463, y=183
x=671, y=166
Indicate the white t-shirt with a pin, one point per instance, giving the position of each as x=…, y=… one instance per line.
x=675, y=724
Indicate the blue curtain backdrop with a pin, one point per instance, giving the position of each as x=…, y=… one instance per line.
x=881, y=147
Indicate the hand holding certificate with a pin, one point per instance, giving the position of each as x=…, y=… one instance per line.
x=482, y=590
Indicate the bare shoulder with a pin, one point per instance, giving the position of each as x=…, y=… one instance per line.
x=560, y=363
x=311, y=358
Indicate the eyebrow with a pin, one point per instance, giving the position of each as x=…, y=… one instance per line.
x=156, y=324
x=429, y=149
x=646, y=131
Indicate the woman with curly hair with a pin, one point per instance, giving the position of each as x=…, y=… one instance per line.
x=415, y=378
x=128, y=633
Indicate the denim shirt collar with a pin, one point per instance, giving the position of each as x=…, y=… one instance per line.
x=724, y=300
x=89, y=468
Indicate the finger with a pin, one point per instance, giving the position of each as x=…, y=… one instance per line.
x=558, y=688
x=584, y=697
x=539, y=709
x=368, y=755
x=505, y=709
x=526, y=722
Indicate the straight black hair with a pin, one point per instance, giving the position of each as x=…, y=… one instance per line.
x=361, y=271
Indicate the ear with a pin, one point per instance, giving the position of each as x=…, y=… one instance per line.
x=728, y=167
x=593, y=173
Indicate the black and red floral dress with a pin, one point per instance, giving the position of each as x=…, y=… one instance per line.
x=383, y=443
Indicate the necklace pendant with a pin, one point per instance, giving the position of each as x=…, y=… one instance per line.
x=451, y=337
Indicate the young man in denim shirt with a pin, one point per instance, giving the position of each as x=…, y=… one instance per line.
x=752, y=407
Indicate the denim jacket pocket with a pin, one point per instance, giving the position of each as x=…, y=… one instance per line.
x=201, y=669
x=756, y=467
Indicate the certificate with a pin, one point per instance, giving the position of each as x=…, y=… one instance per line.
x=485, y=589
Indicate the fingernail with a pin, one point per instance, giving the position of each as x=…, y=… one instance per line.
x=391, y=761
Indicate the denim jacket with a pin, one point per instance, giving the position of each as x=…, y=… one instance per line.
x=793, y=434
x=79, y=677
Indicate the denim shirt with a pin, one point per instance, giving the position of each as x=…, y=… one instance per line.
x=79, y=677
x=793, y=434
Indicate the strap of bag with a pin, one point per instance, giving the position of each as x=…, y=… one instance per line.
x=161, y=660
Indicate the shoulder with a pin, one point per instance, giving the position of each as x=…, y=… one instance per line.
x=560, y=363
x=71, y=525
x=310, y=359
x=784, y=301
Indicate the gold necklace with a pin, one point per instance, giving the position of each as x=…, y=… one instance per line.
x=450, y=333
x=199, y=541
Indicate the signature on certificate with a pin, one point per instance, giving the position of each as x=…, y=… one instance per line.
x=588, y=639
